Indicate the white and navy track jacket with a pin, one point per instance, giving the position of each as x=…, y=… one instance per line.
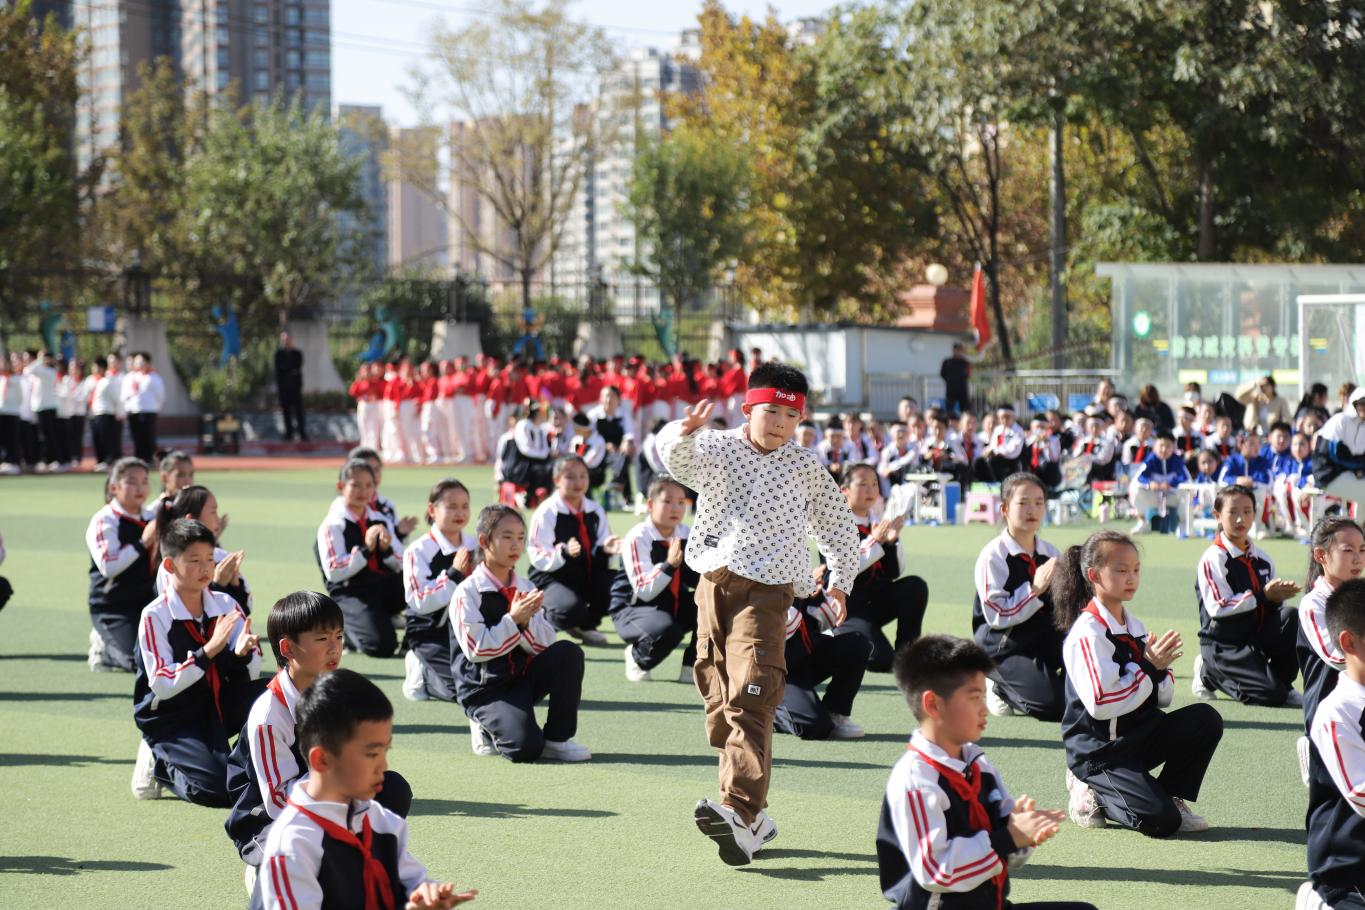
x=122, y=578
x=1320, y=660
x=307, y=869
x=1230, y=584
x=341, y=549
x=1114, y=695
x=1009, y=615
x=492, y=649
x=263, y=766
x=928, y=853
x=646, y=576
x=430, y=579
x=1336, y=793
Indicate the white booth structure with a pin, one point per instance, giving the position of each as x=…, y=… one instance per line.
x=858, y=367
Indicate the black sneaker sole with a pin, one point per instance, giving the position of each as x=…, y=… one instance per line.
x=713, y=825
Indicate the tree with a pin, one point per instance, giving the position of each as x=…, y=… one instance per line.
x=833, y=200
x=521, y=91
x=40, y=188
x=687, y=201
x=261, y=200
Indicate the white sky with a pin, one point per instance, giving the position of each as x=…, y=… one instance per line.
x=374, y=42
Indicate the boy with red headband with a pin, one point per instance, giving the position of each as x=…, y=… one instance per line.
x=759, y=496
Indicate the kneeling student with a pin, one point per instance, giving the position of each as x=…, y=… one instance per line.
x=433, y=566
x=197, y=677
x=305, y=632
x=812, y=658
x=334, y=846
x=950, y=834
x=653, y=600
x=508, y=659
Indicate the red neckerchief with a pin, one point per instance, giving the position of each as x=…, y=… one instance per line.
x=363, y=521
x=1089, y=446
x=1141, y=452
x=863, y=534
x=968, y=789
x=970, y=447
x=1223, y=449
x=378, y=891
x=1187, y=443
x=1244, y=559
x=275, y=687
x=580, y=446
x=1127, y=639
x=581, y=516
x=211, y=673
x=1035, y=455
x=1032, y=564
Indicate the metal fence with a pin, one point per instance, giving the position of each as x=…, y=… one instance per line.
x=1037, y=390
x=882, y=392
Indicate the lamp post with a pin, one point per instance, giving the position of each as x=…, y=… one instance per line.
x=137, y=288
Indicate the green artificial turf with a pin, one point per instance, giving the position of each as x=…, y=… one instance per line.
x=616, y=832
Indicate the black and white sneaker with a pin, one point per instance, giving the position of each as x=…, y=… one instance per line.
x=734, y=840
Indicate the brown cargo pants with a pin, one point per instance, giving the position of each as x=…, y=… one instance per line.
x=741, y=672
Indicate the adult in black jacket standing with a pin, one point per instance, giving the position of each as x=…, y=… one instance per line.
x=289, y=384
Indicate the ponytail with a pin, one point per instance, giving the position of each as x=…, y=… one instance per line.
x=1323, y=534
x=1069, y=587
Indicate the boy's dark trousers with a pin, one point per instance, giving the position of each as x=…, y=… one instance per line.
x=192, y=762
x=142, y=427
x=741, y=673
x=369, y=613
x=841, y=659
x=118, y=630
x=653, y=633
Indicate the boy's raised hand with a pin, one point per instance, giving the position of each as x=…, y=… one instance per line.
x=1279, y=589
x=229, y=570
x=433, y=896
x=697, y=416
x=675, y=552
x=246, y=642
x=219, y=637
x=1031, y=826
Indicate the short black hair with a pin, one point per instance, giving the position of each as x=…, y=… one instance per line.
x=182, y=534
x=333, y=706
x=662, y=482
x=937, y=663
x=300, y=612
x=1165, y=434
x=1280, y=425
x=1346, y=609
x=834, y=425
x=779, y=376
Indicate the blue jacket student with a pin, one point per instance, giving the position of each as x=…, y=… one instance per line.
x=1237, y=465
x=1163, y=470
x=1298, y=472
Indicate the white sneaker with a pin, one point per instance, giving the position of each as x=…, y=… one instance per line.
x=685, y=676
x=845, y=728
x=479, y=740
x=95, y=657
x=995, y=704
x=145, y=784
x=40, y=468
x=1082, y=806
x=734, y=840
x=1198, y=687
x=634, y=672
x=764, y=829
x=415, y=682
x=99, y=466
x=1141, y=527
x=1189, y=822
x=8, y=468
x=566, y=751
x=1307, y=899
x=1304, y=750
x=1295, y=700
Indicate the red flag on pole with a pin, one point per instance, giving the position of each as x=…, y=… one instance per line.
x=980, y=321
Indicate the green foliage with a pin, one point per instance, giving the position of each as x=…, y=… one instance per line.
x=687, y=199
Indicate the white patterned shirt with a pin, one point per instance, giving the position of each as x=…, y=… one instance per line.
x=755, y=510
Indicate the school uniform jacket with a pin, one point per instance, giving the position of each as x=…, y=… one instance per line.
x=592, y=448
x=121, y=569
x=845, y=455
x=554, y=524
x=346, y=564
x=1237, y=465
x=488, y=649
x=1336, y=793
x=1007, y=442
x=240, y=592
x=1009, y=616
x=614, y=428
x=1153, y=469
x=646, y=578
x=1114, y=695
x=429, y=582
x=928, y=854
x=1099, y=448
x=262, y=767
x=1187, y=442
x=1230, y=586
x=305, y=868
x=174, y=685
x=895, y=463
x=1320, y=660
x=1295, y=473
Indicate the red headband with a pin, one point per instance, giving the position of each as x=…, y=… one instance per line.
x=776, y=396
